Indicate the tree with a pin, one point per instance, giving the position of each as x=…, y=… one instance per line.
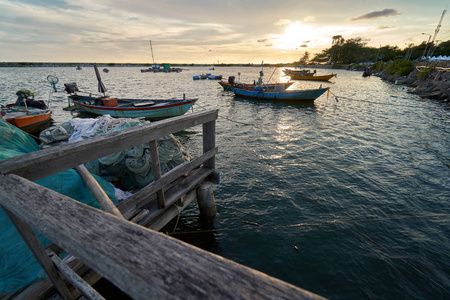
x=305, y=58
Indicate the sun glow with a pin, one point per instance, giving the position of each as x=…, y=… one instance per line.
x=296, y=36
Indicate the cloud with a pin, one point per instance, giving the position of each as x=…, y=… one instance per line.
x=385, y=27
x=303, y=46
x=262, y=40
x=282, y=22
x=388, y=12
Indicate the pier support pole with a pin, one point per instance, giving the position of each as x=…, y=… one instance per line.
x=205, y=200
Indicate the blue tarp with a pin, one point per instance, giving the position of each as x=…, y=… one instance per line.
x=18, y=268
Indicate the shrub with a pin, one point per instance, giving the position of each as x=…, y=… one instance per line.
x=400, y=67
x=424, y=73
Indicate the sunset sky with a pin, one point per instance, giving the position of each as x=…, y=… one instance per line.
x=208, y=32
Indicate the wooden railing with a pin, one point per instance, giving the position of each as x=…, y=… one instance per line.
x=143, y=263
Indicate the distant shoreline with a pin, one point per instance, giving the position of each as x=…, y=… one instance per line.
x=144, y=65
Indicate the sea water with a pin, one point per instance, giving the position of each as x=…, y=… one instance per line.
x=347, y=197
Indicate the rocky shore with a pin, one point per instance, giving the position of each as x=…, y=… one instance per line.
x=430, y=80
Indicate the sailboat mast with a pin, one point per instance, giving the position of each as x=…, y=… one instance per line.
x=151, y=49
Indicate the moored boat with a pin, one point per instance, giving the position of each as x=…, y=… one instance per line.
x=294, y=96
x=151, y=109
x=28, y=119
x=270, y=86
x=311, y=76
x=26, y=113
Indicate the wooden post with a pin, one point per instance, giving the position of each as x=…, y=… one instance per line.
x=157, y=172
x=209, y=142
x=205, y=199
x=105, y=203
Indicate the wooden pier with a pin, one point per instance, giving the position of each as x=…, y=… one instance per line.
x=121, y=243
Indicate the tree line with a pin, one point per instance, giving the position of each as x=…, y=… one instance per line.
x=355, y=50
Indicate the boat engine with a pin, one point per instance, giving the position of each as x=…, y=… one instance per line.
x=71, y=88
x=231, y=79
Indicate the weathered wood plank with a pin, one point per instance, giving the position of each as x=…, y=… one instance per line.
x=46, y=162
x=153, y=266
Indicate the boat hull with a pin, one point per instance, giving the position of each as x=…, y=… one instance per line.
x=289, y=96
x=30, y=123
x=312, y=77
x=161, y=109
x=227, y=86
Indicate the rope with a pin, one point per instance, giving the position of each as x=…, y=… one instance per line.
x=258, y=226
x=372, y=102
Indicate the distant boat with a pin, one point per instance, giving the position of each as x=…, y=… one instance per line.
x=296, y=72
x=215, y=77
x=151, y=109
x=78, y=68
x=307, y=75
x=367, y=72
x=157, y=69
x=105, y=70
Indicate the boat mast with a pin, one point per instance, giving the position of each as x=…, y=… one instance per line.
x=151, y=49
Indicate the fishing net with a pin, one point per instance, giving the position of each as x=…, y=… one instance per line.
x=18, y=268
x=128, y=169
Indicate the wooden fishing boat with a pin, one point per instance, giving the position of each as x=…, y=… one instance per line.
x=29, y=119
x=289, y=96
x=297, y=72
x=312, y=77
x=151, y=109
x=270, y=86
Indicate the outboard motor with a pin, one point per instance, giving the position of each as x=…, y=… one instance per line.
x=231, y=79
x=71, y=88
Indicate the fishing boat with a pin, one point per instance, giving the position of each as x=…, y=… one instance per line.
x=157, y=69
x=26, y=113
x=289, y=96
x=270, y=86
x=307, y=75
x=296, y=72
x=105, y=70
x=278, y=93
x=151, y=109
x=29, y=119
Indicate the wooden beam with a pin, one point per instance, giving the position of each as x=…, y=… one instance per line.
x=141, y=262
x=49, y=161
x=129, y=206
x=99, y=194
x=71, y=276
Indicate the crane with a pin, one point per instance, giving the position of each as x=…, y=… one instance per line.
x=430, y=52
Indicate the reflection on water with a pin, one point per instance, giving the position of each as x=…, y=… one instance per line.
x=361, y=186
